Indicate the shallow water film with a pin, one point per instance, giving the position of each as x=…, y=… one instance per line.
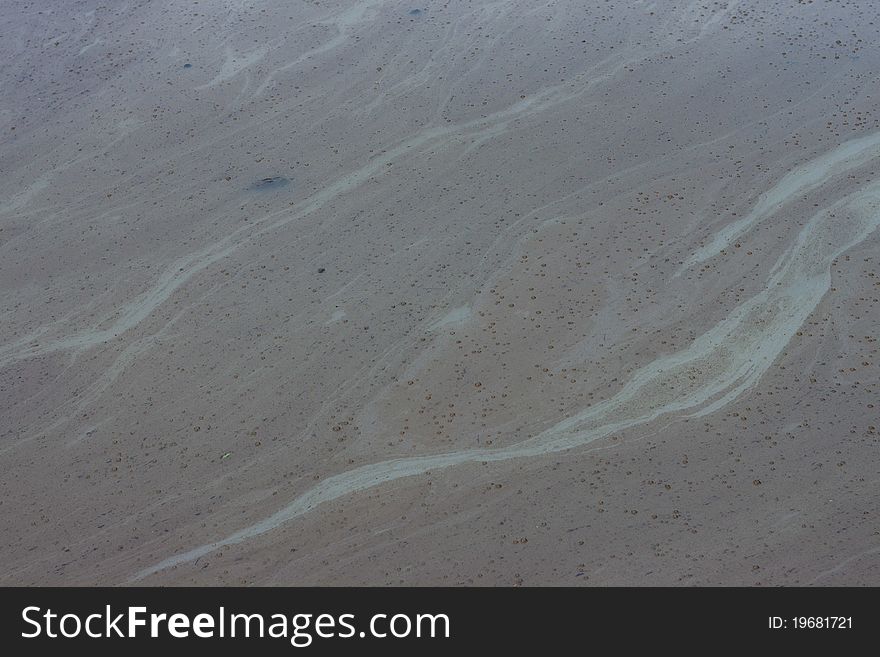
x=465, y=293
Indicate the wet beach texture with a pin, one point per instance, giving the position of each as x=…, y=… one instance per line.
x=464, y=293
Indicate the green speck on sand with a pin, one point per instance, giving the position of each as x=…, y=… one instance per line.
x=226, y=455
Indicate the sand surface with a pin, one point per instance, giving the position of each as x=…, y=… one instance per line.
x=520, y=293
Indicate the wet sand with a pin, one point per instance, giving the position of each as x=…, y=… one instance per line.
x=484, y=293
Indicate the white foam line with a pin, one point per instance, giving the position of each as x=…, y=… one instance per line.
x=843, y=564
x=183, y=269
x=97, y=42
x=716, y=368
x=805, y=178
x=342, y=22
x=235, y=64
x=132, y=313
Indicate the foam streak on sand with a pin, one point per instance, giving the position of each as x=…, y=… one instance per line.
x=804, y=179
x=474, y=131
x=342, y=23
x=183, y=269
x=718, y=366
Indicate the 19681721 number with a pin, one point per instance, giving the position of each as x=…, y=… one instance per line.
x=811, y=623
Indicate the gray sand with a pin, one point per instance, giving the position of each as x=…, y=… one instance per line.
x=485, y=293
